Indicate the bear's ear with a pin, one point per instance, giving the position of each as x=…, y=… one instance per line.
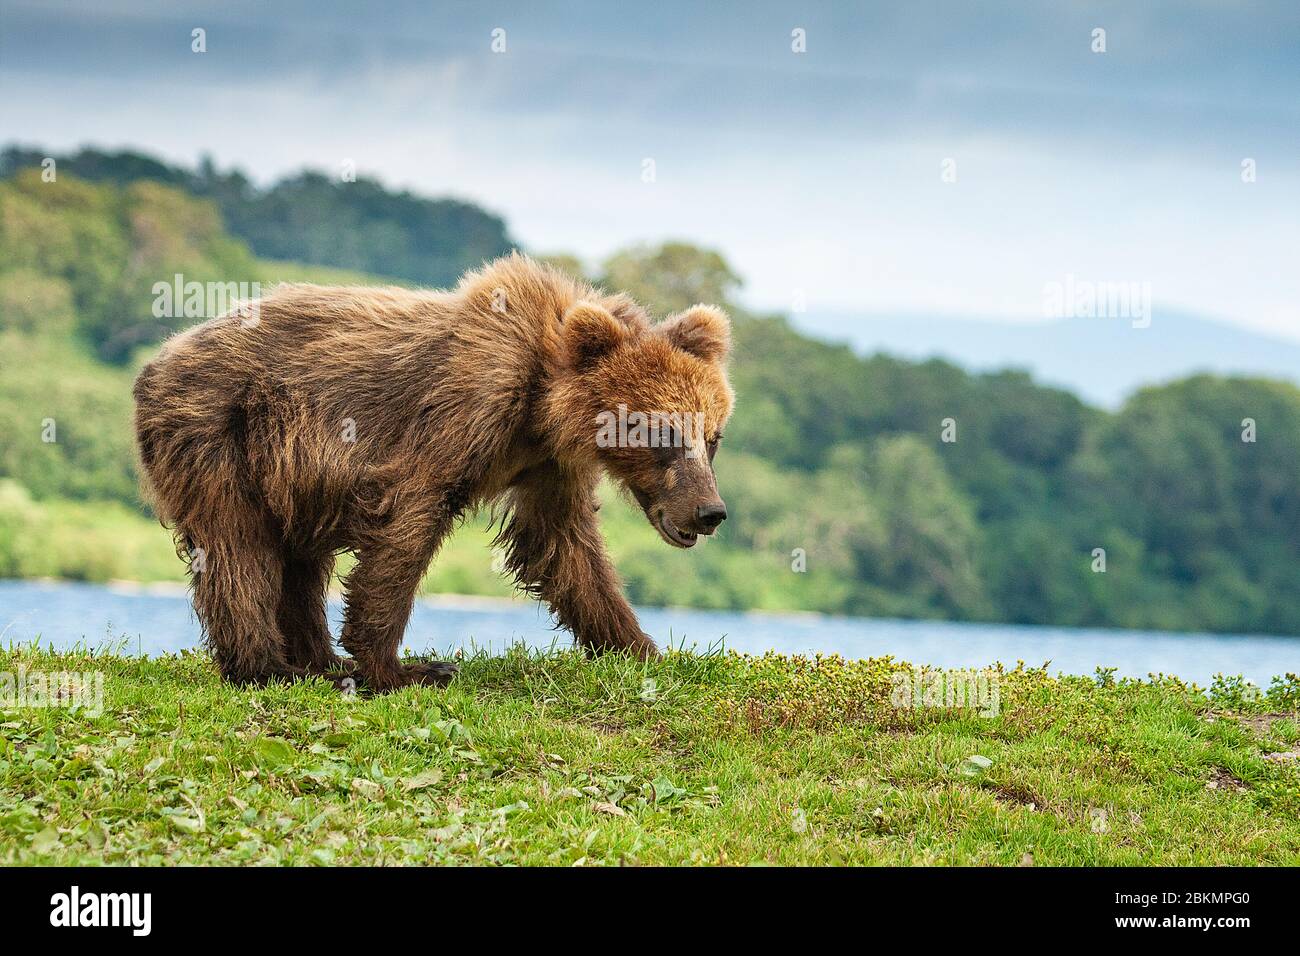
x=590, y=332
x=702, y=330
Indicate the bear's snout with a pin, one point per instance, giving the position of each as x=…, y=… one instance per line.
x=709, y=516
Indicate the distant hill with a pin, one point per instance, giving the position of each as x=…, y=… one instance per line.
x=309, y=217
x=1102, y=360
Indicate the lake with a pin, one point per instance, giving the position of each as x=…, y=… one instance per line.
x=153, y=620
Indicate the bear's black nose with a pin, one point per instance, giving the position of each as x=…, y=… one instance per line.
x=712, y=515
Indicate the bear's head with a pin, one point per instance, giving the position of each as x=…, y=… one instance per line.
x=654, y=399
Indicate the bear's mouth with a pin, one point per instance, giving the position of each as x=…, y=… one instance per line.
x=668, y=531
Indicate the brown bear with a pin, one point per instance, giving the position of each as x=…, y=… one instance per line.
x=317, y=420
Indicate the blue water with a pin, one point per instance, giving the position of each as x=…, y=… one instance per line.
x=150, y=622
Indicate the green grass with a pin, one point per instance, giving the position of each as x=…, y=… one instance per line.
x=557, y=759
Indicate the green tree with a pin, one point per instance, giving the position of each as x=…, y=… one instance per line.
x=670, y=277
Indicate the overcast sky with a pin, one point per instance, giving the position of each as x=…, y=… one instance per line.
x=817, y=172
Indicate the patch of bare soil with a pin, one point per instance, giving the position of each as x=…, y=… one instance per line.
x=1221, y=779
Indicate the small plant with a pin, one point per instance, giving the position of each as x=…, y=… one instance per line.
x=1234, y=692
x=1284, y=692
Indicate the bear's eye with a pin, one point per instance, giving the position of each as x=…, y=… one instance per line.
x=712, y=446
x=669, y=447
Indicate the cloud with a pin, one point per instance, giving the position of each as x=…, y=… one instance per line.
x=817, y=171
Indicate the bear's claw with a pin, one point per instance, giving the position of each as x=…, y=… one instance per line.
x=434, y=673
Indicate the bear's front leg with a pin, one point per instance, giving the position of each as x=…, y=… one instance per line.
x=380, y=593
x=555, y=551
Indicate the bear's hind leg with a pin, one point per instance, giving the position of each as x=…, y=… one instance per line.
x=301, y=613
x=236, y=572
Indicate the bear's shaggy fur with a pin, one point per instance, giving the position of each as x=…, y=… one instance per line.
x=372, y=419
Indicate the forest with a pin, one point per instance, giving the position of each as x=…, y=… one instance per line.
x=857, y=484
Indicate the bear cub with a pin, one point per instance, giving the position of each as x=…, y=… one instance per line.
x=317, y=420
